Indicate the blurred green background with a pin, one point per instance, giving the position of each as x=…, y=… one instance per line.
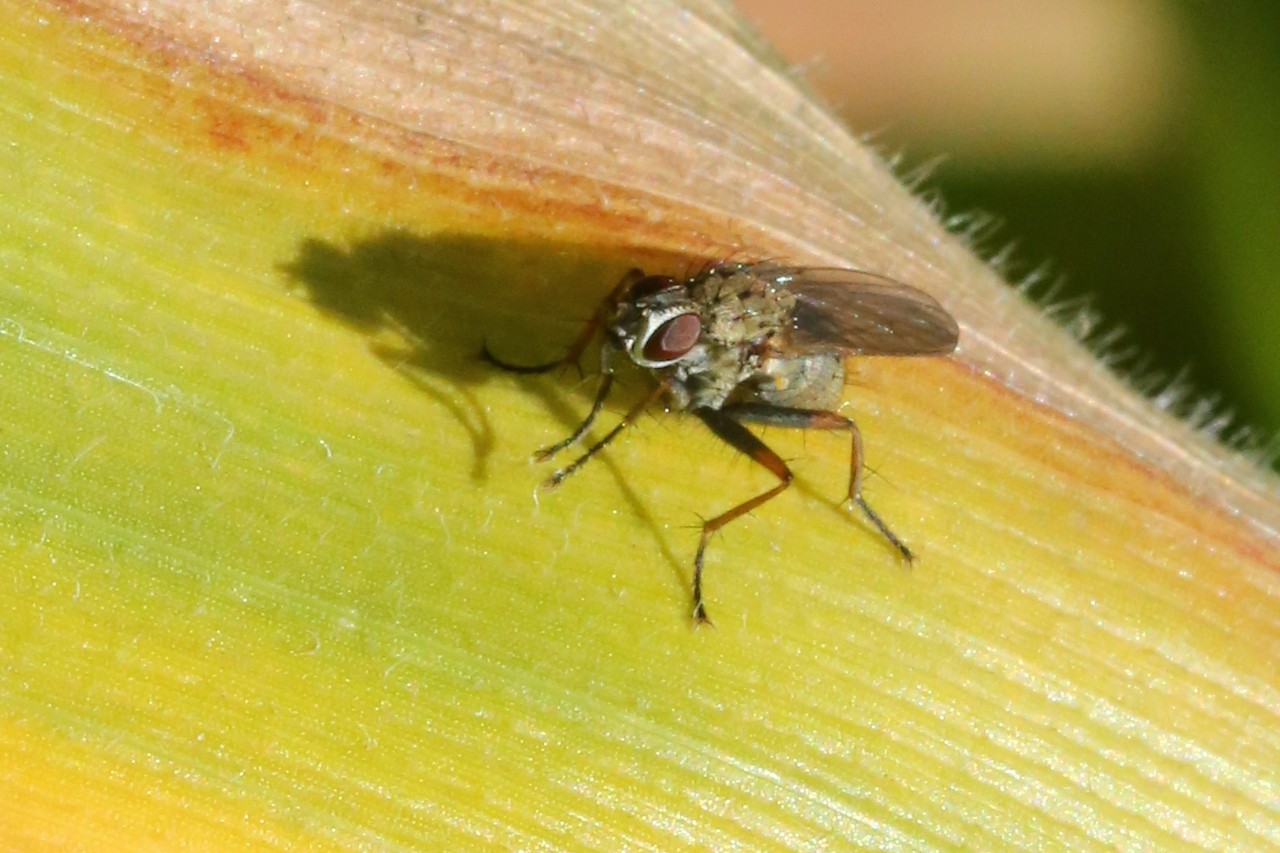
x=1131, y=146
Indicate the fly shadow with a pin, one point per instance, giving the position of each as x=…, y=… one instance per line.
x=446, y=296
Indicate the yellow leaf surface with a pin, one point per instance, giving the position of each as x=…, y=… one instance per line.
x=275, y=570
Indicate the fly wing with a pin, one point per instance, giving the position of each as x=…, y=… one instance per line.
x=864, y=314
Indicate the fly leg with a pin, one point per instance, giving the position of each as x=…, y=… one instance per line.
x=574, y=357
x=727, y=423
x=722, y=422
x=580, y=344
x=597, y=405
x=627, y=420
x=763, y=413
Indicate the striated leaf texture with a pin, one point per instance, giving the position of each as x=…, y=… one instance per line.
x=276, y=572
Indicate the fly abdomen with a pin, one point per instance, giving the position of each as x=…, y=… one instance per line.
x=811, y=381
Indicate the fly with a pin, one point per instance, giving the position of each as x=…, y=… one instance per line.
x=751, y=343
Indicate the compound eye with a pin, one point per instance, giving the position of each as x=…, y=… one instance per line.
x=673, y=339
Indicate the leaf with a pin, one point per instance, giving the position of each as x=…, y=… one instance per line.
x=277, y=574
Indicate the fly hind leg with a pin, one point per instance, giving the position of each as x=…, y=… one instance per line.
x=768, y=415
x=722, y=422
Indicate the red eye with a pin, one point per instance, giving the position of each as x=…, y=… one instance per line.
x=673, y=338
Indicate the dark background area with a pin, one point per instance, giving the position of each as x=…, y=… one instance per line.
x=1133, y=148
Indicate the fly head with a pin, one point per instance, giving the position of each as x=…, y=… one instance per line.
x=656, y=323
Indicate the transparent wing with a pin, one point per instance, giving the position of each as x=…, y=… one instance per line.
x=863, y=313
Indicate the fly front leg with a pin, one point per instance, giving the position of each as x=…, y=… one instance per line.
x=574, y=357
x=627, y=420
x=763, y=413
x=597, y=405
x=580, y=344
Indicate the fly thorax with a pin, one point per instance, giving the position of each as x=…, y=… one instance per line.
x=716, y=374
x=740, y=309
